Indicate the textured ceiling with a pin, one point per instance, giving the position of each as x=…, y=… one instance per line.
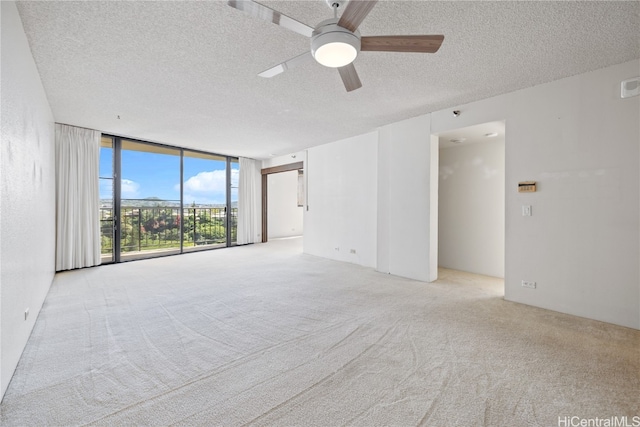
x=185, y=73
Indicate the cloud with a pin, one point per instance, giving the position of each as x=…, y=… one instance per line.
x=208, y=187
x=206, y=182
x=129, y=189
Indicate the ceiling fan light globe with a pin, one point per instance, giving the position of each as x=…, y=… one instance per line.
x=335, y=49
x=335, y=55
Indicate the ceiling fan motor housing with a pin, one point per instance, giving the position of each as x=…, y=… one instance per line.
x=334, y=46
x=340, y=4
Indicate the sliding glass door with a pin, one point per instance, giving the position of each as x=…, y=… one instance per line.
x=158, y=200
x=106, y=200
x=149, y=200
x=205, y=200
x=234, y=180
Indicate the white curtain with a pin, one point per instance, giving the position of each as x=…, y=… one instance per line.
x=77, y=197
x=248, y=202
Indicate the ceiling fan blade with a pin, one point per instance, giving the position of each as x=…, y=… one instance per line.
x=355, y=12
x=424, y=44
x=292, y=63
x=263, y=12
x=350, y=77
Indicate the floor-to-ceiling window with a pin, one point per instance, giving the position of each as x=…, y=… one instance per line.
x=233, y=202
x=160, y=200
x=205, y=200
x=149, y=200
x=106, y=199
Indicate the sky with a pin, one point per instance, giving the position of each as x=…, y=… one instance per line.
x=158, y=175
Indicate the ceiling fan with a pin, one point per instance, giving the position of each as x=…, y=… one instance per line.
x=336, y=42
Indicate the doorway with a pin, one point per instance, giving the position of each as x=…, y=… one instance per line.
x=284, y=211
x=471, y=199
x=297, y=167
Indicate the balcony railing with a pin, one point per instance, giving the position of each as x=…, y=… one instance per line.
x=157, y=228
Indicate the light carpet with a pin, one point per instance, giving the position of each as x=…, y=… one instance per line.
x=265, y=335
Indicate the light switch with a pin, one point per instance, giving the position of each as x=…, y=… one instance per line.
x=526, y=210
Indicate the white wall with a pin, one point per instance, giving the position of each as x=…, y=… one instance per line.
x=341, y=197
x=284, y=216
x=471, y=208
x=404, y=199
x=580, y=142
x=574, y=136
x=27, y=213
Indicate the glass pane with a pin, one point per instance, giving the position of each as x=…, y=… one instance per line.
x=235, y=178
x=106, y=158
x=150, y=200
x=106, y=199
x=106, y=191
x=206, y=156
x=205, y=201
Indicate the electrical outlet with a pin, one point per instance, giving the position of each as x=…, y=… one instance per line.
x=353, y=251
x=526, y=210
x=26, y=314
x=530, y=285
